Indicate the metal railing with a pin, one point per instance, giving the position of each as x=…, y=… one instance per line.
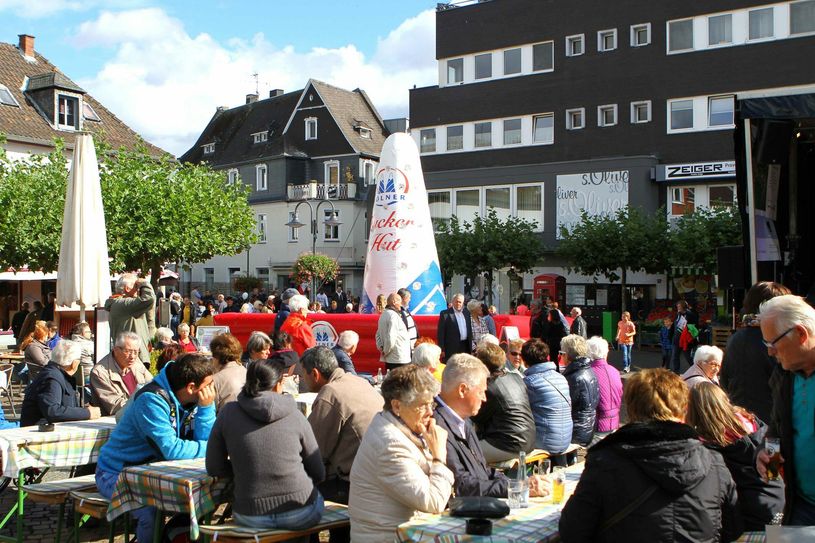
x=316, y=191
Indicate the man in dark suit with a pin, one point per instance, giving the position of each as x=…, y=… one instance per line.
x=455, y=331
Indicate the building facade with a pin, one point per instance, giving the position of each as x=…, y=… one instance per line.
x=546, y=108
x=315, y=144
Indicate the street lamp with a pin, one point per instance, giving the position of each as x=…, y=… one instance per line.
x=314, y=212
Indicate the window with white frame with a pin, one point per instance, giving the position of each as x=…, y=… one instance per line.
x=455, y=138
x=331, y=179
x=641, y=112
x=575, y=118
x=368, y=172
x=260, y=177
x=455, y=71
x=67, y=117
x=365, y=132
x=683, y=200
x=88, y=113
x=263, y=275
x=209, y=148
x=761, y=24
x=607, y=40
x=512, y=61
x=6, y=98
x=680, y=35
x=543, y=128
x=441, y=209
x=522, y=201
x=529, y=204
x=681, y=115
x=262, y=227
x=331, y=233
x=498, y=199
x=640, y=35
x=468, y=205
x=260, y=137
x=427, y=140
x=802, y=17
x=607, y=115
x=294, y=233
x=483, y=134
x=512, y=131
x=232, y=176
x=720, y=29
x=574, y=45
x=209, y=278
x=543, y=56
x=311, y=128
x=483, y=66
x=720, y=111
x=722, y=195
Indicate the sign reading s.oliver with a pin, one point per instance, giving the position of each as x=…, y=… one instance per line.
x=598, y=193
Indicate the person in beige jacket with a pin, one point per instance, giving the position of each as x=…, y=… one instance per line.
x=231, y=373
x=118, y=375
x=400, y=466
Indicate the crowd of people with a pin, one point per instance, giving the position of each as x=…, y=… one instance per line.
x=688, y=464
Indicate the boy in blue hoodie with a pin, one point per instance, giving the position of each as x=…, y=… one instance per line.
x=167, y=419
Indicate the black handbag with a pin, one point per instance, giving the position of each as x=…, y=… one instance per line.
x=478, y=507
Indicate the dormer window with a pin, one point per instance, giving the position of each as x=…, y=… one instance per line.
x=365, y=132
x=209, y=148
x=311, y=128
x=67, y=108
x=88, y=113
x=260, y=137
x=6, y=98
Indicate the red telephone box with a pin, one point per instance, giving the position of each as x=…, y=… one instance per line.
x=550, y=284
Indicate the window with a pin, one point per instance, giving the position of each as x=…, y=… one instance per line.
x=543, y=128
x=261, y=227
x=364, y=132
x=233, y=272
x=761, y=23
x=720, y=29
x=512, y=131
x=529, y=204
x=260, y=137
x=575, y=118
x=543, y=56
x=88, y=113
x=331, y=233
x=640, y=35
x=263, y=275
x=483, y=134
x=232, y=176
x=512, y=61
x=683, y=200
x=574, y=45
x=641, y=112
x=311, y=128
x=294, y=233
x=722, y=195
x=331, y=181
x=607, y=40
x=468, y=205
x=497, y=198
x=260, y=177
x=720, y=111
x=209, y=148
x=440, y=209
x=681, y=114
x=483, y=66
x=6, y=97
x=680, y=35
x=427, y=140
x=802, y=17
x=369, y=172
x=455, y=138
x=209, y=278
x=607, y=115
x=67, y=112
x=455, y=71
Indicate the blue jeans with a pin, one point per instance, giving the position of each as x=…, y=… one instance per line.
x=626, y=350
x=297, y=519
x=145, y=516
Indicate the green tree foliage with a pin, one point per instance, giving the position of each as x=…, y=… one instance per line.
x=628, y=240
x=318, y=267
x=695, y=237
x=486, y=245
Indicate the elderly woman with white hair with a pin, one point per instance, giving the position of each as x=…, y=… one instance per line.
x=481, y=324
x=298, y=326
x=185, y=340
x=611, y=389
x=345, y=348
x=428, y=355
x=52, y=396
x=707, y=363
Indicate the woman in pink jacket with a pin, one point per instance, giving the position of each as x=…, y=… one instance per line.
x=611, y=389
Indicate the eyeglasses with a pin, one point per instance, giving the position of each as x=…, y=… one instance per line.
x=426, y=407
x=131, y=352
x=771, y=344
x=515, y=353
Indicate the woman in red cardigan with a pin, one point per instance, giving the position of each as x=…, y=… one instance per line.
x=298, y=326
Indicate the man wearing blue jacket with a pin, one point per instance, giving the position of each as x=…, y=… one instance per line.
x=167, y=419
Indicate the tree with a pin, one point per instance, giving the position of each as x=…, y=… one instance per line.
x=486, y=245
x=606, y=244
x=695, y=237
x=313, y=268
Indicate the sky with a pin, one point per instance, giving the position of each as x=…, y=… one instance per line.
x=163, y=67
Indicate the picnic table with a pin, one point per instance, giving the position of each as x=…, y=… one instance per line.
x=173, y=486
x=537, y=523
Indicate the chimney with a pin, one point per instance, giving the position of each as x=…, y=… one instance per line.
x=27, y=45
x=221, y=109
x=275, y=92
x=251, y=98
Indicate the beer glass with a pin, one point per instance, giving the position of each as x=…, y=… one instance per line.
x=773, y=447
x=558, y=484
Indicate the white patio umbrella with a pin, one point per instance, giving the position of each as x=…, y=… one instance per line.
x=83, y=276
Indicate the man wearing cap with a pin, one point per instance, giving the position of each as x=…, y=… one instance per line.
x=283, y=314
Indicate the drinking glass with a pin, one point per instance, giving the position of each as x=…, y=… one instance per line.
x=558, y=484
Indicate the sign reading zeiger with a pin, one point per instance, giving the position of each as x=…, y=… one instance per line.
x=697, y=170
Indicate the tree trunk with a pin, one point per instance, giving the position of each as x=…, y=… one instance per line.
x=623, y=281
x=155, y=274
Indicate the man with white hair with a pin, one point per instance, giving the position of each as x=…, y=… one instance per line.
x=788, y=329
x=345, y=348
x=392, y=338
x=119, y=374
x=428, y=355
x=132, y=309
x=455, y=328
x=52, y=396
x=578, y=323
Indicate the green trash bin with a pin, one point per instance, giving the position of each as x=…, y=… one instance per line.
x=610, y=320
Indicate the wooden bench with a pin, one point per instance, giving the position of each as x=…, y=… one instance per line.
x=89, y=504
x=334, y=516
x=57, y=493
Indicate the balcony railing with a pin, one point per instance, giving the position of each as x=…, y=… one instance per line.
x=318, y=191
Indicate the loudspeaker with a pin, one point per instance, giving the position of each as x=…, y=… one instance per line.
x=731, y=266
x=773, y=142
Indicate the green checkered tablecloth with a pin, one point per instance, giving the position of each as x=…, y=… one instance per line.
x=538, y=523
x=175, y=486
x=70, y=444
x=752, y=537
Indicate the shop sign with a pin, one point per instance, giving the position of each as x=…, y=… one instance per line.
x=597, y=193
x=696, y=171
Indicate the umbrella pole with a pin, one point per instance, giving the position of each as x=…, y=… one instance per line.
x=81, y=312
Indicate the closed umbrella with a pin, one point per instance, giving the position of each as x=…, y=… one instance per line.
x=83, y=276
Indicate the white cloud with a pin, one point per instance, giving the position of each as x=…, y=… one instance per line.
x=35, y=9
x=166, y=83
